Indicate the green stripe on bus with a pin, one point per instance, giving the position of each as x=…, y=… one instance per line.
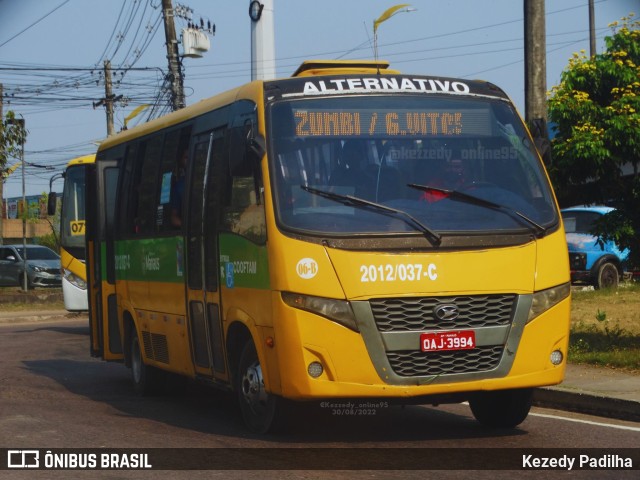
x=243, y=263
x=150, y=259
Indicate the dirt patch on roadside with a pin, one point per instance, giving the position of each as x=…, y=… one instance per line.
x=12, y=298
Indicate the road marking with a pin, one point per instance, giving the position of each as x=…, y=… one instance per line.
x=588, y=422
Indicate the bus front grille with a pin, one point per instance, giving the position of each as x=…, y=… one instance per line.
x=418, y=363
x=417, y=313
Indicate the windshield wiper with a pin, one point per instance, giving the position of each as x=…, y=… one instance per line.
x=352, y=201
x=465, y=197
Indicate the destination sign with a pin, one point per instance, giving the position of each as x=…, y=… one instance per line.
x=323, y=122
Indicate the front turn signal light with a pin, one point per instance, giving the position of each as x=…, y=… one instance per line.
x=545, y=299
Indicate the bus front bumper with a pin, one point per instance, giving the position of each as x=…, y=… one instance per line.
x=353, y=364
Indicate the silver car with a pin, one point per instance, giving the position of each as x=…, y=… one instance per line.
x=43, y=266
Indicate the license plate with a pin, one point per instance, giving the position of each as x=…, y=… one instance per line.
x=453, y=340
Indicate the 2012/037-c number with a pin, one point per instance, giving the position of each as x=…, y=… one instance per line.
x=403, y=272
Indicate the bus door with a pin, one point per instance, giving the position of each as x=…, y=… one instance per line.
x=102, y=181
x=203, y=292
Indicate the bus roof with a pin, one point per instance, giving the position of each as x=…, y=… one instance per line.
x=174, y=118
x=343, y=67
x=81, y=160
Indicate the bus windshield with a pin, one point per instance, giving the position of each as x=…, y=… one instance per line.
x=72, y=216
x=455, y=165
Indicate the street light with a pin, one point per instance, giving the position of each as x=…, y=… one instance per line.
x=390, y=12
x=19, y=122
x=255, y=10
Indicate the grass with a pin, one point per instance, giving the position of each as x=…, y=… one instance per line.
x=13, y=299
x=21, y=307
x=605, y=327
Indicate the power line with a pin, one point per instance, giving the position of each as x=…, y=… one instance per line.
x=60, y=82
x=34, y=23
x=113, y=32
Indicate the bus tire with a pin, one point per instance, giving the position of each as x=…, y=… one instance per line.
x=260, y=409
x=607, y=276
x=502, y=408
x=147, y=380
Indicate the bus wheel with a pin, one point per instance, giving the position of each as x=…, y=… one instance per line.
x=147, y=380
x=503, y=408
x=259, y=408
x=607, y=276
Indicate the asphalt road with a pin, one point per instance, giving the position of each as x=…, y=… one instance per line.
x=55, y=396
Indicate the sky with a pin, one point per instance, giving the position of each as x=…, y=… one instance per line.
x=52, y=54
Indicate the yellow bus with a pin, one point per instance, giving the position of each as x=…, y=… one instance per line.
x=349, y=232
x=72, y=234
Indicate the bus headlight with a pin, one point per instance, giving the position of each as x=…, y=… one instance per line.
x=545, y=299
x=74, y=280
x=338, y=311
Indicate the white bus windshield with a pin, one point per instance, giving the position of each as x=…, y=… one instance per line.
x=380, y=148
x=72, y=216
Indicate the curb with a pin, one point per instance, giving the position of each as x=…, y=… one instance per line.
x=586, y=403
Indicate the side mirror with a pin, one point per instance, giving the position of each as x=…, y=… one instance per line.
x=11, y=258
x=52, y=203
x=52, y=200
x=257, y=146
x=255, y=143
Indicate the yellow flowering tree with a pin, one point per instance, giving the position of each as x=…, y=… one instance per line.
x=595, y=113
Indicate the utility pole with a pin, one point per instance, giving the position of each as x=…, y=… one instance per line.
x=25, y=211
x=175, y=73
x=20, y=125
x=535, y=64
x=108, y=96
x=535, y=74
x=592, y=30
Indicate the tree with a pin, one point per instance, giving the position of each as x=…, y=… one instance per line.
x=12, y=137
x=51, y=240
x=596, y=149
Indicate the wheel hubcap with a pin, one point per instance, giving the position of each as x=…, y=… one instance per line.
x=253, y=387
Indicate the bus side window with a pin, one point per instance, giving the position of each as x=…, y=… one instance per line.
x=129, y=200
x=146, y=182
x=212, y=207
x=195, y=224
x=243, y=203
x=175, y=156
